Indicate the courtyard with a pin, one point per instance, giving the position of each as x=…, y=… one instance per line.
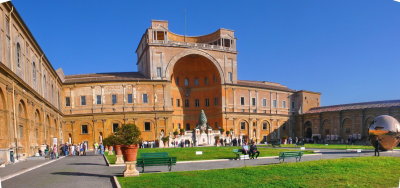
x=331, y=167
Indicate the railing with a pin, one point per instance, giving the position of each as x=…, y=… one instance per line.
x=194, y=45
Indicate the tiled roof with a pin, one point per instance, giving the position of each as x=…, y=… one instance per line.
x=264, y=85
x=104, y=77
x=355, y=106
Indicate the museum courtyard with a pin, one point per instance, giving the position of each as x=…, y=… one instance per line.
x=341, y=166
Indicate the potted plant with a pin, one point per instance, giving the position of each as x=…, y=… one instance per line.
x=106, y=143
x=176, y=133
x=165, y=140
x=182, y=131
x=116, y=142
x=228, y=133
x=222, y=130
x=129, y=136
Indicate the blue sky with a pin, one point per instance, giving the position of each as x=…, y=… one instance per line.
x=347, y=49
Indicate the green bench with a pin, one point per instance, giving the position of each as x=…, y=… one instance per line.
x=288, y=154
x=155, y=159
x=237, y=153
x=276, y=144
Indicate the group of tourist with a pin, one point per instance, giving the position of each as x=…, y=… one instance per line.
x=98, y=148
x=50, y=152
x=73, y=149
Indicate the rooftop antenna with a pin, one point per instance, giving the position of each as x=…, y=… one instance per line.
x=184, y=38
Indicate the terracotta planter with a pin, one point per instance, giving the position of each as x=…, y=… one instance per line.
x=118, y=150
x=110, y=148
x=130, y=152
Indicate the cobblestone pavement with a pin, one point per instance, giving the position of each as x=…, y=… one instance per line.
x=91, y=170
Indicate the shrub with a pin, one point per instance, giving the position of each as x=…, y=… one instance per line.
x=129, y=135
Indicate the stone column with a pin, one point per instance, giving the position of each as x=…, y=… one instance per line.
x=72, y=132
x=234, y=100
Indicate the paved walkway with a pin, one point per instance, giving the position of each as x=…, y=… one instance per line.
x=91, y=170
x=77, y=171
x=22, y=165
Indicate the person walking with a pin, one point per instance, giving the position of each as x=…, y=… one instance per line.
x=377, y=143
x=54, y=152
x=84, y=148
x=96, y=148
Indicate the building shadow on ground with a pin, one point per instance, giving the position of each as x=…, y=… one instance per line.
x=90, y=164
x=82, y=174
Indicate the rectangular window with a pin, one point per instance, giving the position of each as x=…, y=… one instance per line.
x=292, y=105
x=115, y=127
x=207, y=102
x=186, y=102
x=114, y=99
x=205, y=81
x=186, y=82
x=130, y=98
x=265, y=125
x=188, y=127
x=172, y=101
x=283, y=104
x=85, y=129
x=83, y=100
x=197, y=102
x=159, y=75
x=145, y=100
x=21, y=131
x=243, y=125
x=242, y=101
x=230, y=76
x=177, y=81
x=196, y=82
x=274, y=104
x=67, y=101
x=178, y=102
x=147, y=126
x=253, y=101
x=264, y=102
x=98, y=99
x=215, y=101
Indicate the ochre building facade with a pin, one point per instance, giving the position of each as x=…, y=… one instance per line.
x=178, y=76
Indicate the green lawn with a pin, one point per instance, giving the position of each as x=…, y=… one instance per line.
x=189, y=154
x=345, y=172
x=111, y=158
x=330, y=146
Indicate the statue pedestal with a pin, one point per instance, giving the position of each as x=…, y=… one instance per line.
x=120, y=159
x=130, y=169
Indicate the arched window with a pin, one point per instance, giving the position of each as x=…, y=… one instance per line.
x=34, y=73
x=18, y=55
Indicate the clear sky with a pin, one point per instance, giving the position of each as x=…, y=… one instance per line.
x=347, y=49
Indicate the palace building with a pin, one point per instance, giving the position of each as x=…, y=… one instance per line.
x=178, y=76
